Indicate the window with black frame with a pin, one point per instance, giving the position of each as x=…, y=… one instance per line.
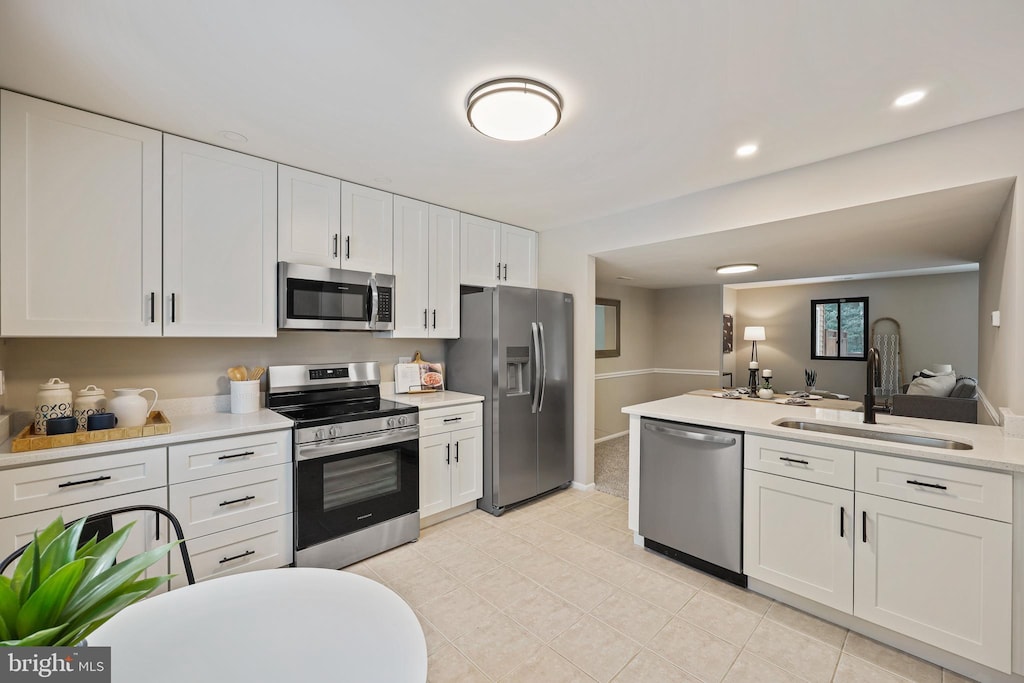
x=839, y=328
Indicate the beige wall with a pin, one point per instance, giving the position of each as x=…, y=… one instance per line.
x=996, y=288
x=636, y=311
x=970, y=153
x=180, y=368
x=937, y=314
x=688, y=330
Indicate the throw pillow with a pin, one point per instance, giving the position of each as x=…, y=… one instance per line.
x=966, y=387
x=936, y=385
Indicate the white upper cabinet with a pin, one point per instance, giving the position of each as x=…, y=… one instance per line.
x=518, y=256
x=481, y=251
x=80, y=216
x=220, y=242
x=426, y=270
x=497, y=254
x=443, y=284
x=308, y=218
x=366, y=229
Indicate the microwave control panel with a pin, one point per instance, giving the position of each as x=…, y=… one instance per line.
x=384, y=305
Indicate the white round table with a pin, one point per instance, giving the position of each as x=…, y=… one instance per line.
x=293, y=624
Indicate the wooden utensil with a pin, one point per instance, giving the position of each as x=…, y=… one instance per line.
x=238, y=373
x=256, y=373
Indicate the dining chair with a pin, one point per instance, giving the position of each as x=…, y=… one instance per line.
x=101, y=524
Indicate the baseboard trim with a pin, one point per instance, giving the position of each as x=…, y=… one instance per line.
x=583, y=487
x=611, y=436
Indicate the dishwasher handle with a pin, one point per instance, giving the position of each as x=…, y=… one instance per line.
x=693, y=436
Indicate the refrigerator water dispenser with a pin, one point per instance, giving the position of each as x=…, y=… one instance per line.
x=517, y=358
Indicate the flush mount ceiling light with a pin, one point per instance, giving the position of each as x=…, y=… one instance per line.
x=746, y=150
x=514, y=109
x=909, y=98
x=736, y=268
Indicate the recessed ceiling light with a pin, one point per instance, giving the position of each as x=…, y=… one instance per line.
x=746, y=150
x=909, y=98
x=623, y=277
x=736, y=268
x=514, y=109
x=233, y=136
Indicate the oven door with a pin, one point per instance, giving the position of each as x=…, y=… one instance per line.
x=347, y=484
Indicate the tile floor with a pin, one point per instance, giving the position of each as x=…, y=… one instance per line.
x=557, y=591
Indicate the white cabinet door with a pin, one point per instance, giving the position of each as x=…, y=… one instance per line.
x=481, y=251
x=80, y=216
x=435, y=474
x=443, y=285
x=518, y=257
x=935, y=575
x=308, y=218
x=220, y=242
x=366, y=229
x=412, y=263
x=17, y=531
x=467, y=465
x=799, y=536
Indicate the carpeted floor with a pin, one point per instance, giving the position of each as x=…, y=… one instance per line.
x=611, y=466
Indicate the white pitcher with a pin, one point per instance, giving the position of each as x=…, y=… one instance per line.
x=130, y=408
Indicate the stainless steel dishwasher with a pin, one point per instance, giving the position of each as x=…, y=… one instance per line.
x=691, y=496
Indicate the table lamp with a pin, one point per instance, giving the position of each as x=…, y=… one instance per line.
x=753, y=334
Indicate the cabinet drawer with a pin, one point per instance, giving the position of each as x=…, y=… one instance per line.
x=191, y=461
x=54, y=485
x=260, y=545
x=799, y=460
x=961, y=489
x=440, y=420
x=206, y=506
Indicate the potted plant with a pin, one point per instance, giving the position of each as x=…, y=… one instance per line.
x=766, y=391
x=60, y=592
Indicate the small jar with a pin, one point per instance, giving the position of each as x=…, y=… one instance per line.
x=52, y=400
x=90, y=401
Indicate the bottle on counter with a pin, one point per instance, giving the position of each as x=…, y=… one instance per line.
x=89, y=401
x=52, y=400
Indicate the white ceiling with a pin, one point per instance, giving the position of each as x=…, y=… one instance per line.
x=910, y=235
x=657, y=94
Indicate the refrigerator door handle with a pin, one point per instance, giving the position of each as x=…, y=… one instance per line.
x=543, y=369
x=536, y=388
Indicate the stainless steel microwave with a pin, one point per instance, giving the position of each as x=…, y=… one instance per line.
x=317, y=298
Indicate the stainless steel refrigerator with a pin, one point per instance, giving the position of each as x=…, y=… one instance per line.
x=515, y=349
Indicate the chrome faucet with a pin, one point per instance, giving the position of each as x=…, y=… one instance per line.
x=874, y=380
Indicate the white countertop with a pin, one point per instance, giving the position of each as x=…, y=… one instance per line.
x=184, y=428
x=438, y=399
x=991, y=449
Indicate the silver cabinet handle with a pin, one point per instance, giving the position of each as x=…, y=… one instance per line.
x=693, y=436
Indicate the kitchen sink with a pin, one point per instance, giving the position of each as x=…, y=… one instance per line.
x=911, y=439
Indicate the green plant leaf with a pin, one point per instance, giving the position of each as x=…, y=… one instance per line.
x=43, y=638
x=44, y=537
x=61, y=550
x=9, y=606
x=111, y=580
x=41, y=610
x=105, y=552
x=84, y=624
x=85, y=549
x=31, y=580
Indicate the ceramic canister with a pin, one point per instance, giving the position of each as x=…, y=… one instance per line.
x=89, y=401
x=52, y=400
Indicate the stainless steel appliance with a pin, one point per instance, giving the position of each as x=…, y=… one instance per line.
x=356, y=462
x=691, y=496
x=516, y=350
x=317, y=298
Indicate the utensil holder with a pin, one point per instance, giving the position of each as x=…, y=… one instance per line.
x=245, y=396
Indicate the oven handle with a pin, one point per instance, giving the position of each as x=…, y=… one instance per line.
x=359, y=442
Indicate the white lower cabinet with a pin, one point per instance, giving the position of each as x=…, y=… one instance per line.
x=451, y=466
x=261, y=545
x=799, y=536
x=935, y=575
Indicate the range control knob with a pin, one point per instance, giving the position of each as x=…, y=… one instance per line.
x=335, y=431
x=391, y=422
x=402, y=421
x=319, y=434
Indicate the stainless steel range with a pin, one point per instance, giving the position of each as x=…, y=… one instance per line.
x=356, y=462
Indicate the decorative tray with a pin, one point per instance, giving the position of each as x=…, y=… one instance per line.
x=156, y=423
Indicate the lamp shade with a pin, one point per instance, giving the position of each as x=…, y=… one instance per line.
x=755, y=333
